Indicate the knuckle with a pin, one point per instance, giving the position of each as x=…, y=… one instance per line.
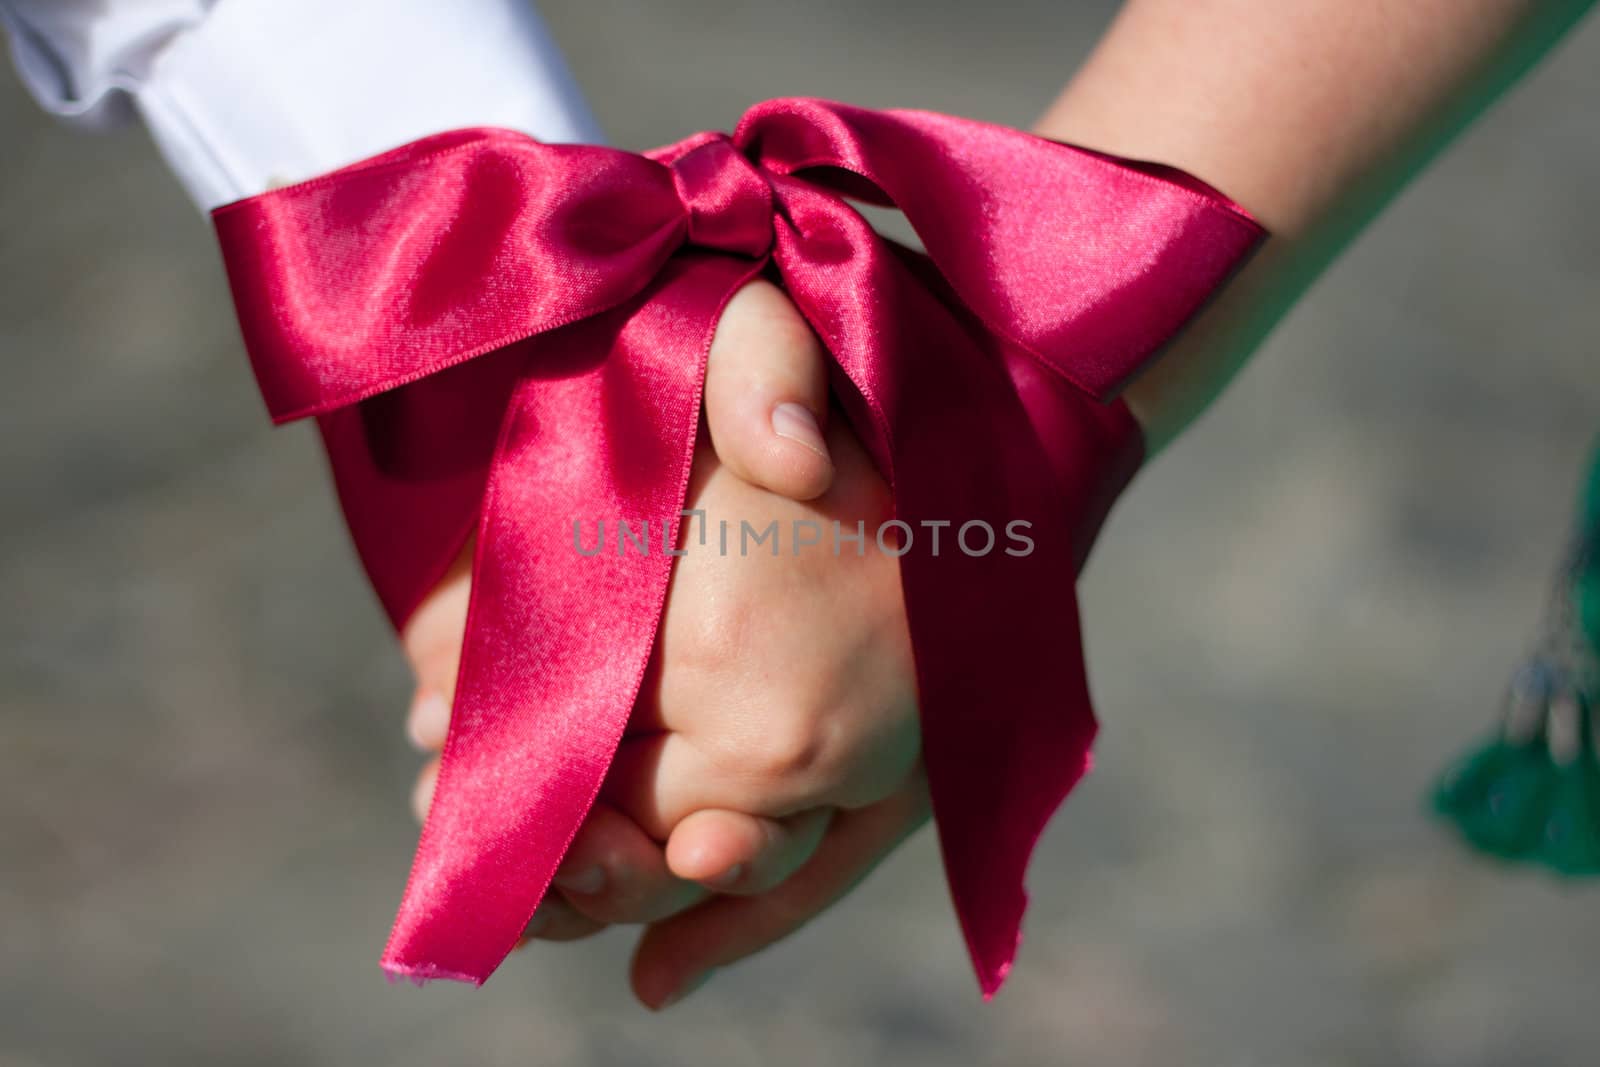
x=791, y=336
x=706, y=642
x=798, y=746
x=763, y=333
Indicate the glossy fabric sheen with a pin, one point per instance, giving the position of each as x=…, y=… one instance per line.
x=500, y=334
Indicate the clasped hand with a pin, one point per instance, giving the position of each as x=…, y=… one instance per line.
x=772, y=758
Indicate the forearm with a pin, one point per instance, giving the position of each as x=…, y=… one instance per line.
x=1311, y=114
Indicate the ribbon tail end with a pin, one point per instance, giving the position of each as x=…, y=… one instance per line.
x=992, y=974
x=420, y=974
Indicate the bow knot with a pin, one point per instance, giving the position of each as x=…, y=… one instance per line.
x=971, y=373
x=726, y=197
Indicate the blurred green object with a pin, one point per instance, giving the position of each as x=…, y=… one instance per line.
x=1531, y=794
x=1586, y=585
x=1514, y=801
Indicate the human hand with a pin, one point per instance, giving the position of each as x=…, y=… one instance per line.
x=774, y=747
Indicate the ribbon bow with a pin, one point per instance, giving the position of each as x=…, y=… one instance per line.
x=509, y=335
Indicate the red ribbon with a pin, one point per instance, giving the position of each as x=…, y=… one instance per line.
x=508, y=334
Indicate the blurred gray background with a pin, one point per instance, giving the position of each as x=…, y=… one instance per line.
x=1295, y=618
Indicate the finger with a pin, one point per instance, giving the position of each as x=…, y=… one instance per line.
x=731, y=852
x=432, y=636
x=677, y=955
x=614, y=873
x=660, y=779
x=767, y=394
x=648, y=780
x=432, y=642
x=557, y=920
x=428, y=720
x=422, y=791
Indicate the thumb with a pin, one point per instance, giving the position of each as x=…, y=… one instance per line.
x=767, y=395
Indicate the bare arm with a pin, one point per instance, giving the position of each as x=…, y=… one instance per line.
x=1311, y=113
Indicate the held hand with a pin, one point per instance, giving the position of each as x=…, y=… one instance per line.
x=777, y=750
x=782, y=688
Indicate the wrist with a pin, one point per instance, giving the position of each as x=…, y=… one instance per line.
x=1177, y=386
x=1200, y=362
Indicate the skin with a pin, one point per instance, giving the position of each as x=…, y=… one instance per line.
x=1312, y=114
x=776, y=758
x=770, y=760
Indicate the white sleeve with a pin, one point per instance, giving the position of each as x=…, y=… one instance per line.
x=241, y=95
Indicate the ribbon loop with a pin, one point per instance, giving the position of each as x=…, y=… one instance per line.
x=1046, y=232
x=728, y=200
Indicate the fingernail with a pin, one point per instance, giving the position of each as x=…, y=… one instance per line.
x=685, y=989
x=796, y=422
x=429, y=717
x=727, y=877
x=589, y=880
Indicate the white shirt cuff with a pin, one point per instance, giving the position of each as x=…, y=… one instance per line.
x=265, y=92
x=256, y=93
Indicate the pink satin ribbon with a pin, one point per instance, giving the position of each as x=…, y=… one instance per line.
x=499, y=333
